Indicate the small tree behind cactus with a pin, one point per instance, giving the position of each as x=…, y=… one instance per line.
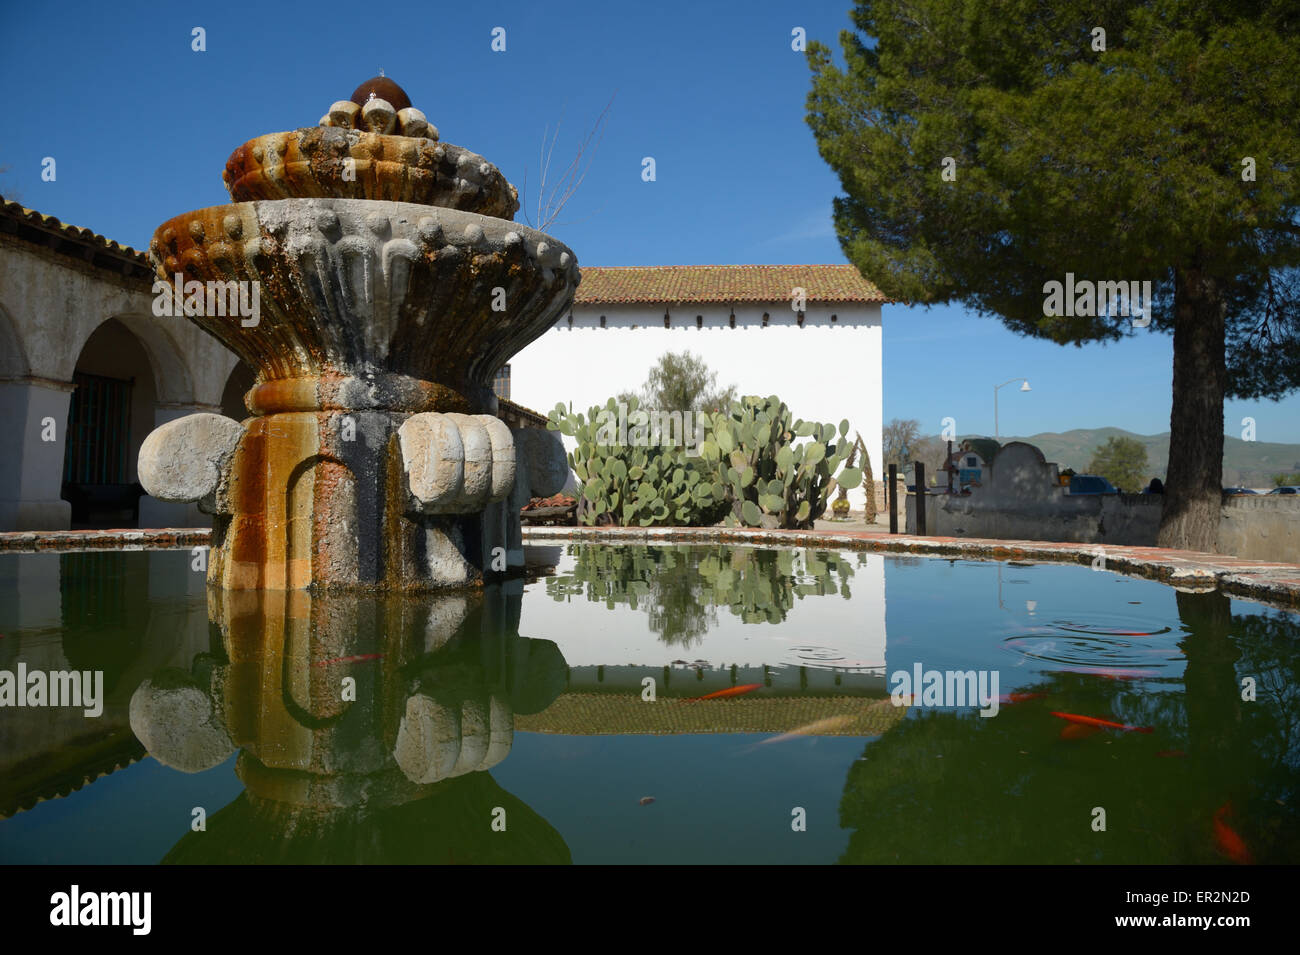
x=868, y=480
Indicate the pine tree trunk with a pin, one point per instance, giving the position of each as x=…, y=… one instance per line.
x=1193, y=485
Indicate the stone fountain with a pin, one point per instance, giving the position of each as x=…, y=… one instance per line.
x=387, y=285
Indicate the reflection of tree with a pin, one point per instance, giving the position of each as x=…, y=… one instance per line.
x=676, y=611
x=957, y=788
x=1271, y=726
x=679, y=586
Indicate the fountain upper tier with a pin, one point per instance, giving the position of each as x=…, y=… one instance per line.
x=370, y=148
x=390, y=274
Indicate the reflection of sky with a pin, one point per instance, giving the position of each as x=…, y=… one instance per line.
x=946, y=615
x=590, y=634
x=130, y=817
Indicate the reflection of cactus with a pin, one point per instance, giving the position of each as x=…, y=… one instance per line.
x=679, y=585
x=748, y=469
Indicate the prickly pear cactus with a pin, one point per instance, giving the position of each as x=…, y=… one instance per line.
x=641, y=483
x=752, y=468
x=770, y=480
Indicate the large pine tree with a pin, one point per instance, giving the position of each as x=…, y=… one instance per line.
x=989, y=147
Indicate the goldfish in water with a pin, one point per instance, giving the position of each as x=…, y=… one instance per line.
x=1226, y=839
x=729, y=691
x=1106, y=724
x=647, y=800
x=827, y=725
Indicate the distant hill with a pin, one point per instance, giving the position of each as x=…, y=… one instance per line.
x=1245, y=463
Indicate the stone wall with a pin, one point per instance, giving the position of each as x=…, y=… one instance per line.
x=1265, y=527
x=1023, y=500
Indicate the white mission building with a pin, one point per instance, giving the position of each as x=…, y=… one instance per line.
x=824, y=361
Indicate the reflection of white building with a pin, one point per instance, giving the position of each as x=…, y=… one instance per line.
x=823, y=361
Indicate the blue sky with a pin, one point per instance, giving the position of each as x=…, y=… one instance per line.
x=140, y=127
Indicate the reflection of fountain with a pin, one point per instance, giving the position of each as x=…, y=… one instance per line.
x=364, y=726
x=380, y=285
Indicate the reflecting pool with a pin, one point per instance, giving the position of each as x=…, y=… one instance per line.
x=644, y=704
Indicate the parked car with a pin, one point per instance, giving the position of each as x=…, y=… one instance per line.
x=1286, y=489
x=1091, y=484
x=1239, y=490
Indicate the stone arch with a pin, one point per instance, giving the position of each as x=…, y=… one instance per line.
x=13, y=357
x=111, y=412
x=172, y=375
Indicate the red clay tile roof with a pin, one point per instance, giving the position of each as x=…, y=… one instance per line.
x=682, y=284
x=81, y=243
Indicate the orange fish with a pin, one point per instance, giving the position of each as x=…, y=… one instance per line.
x=730, y=691
x=1227, y=841
x=1107, y=724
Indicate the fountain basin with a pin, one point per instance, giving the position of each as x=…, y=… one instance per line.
x=370, y=297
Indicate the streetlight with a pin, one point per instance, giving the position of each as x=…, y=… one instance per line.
x=997, y=435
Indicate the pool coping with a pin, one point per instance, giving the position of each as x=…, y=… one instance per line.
x=1269, y=582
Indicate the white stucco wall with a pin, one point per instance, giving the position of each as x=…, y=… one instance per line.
x=824, y=371
x=50, y=305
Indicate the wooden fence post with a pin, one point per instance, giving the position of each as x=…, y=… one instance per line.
x=891, y=498
x=920, y=498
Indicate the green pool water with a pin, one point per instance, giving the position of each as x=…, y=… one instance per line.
x=634, y=704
